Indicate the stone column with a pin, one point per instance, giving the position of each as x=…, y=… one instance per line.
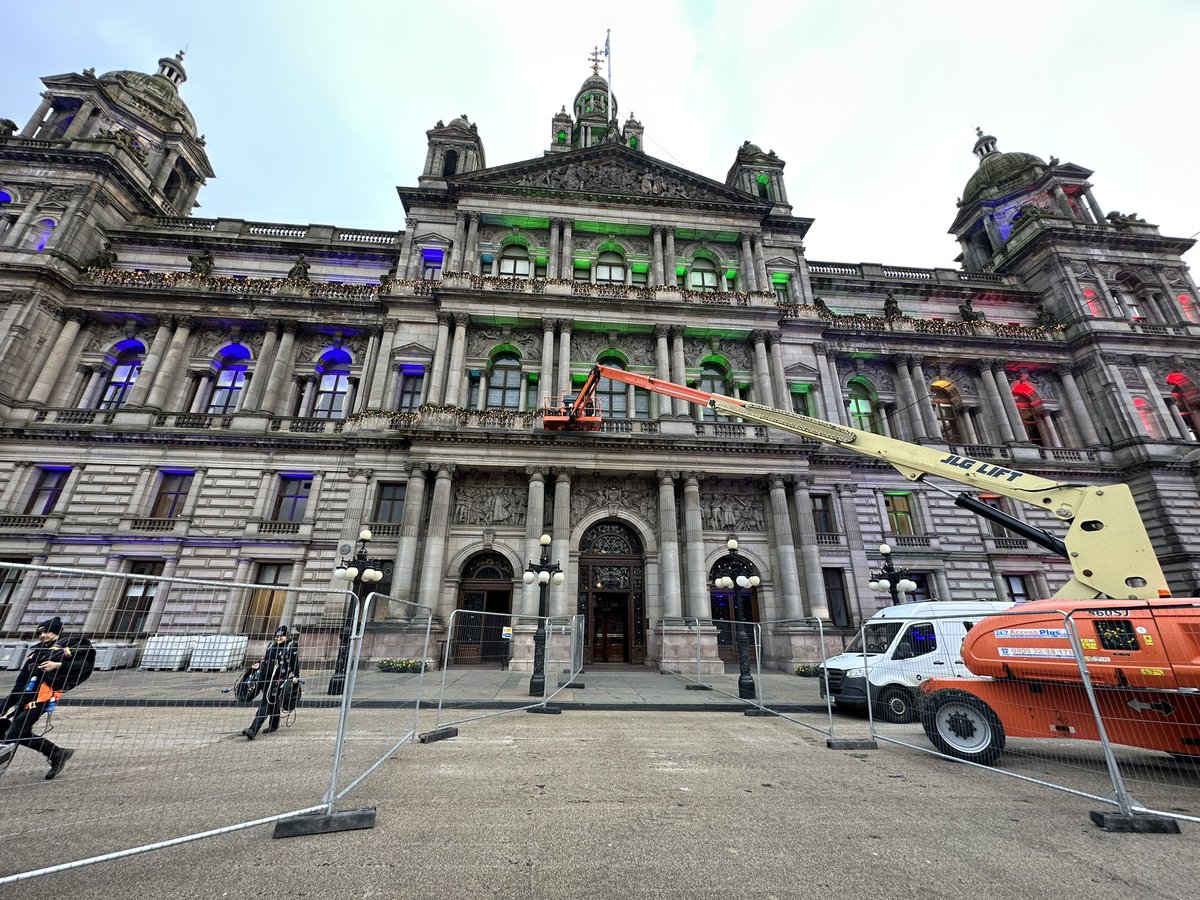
x=559, y=599
x=238, y=599
x=79, y=121
x=202, y=383
x=760, y=264
x=564, y=356
x=67, y=221
x=831, y=384
x=458, y=353
x=91, y=391
x=746, y=267
x=1160, y=405
x=925, y=399
x=407, y=264
x=908, y=398
x=1094, y=206
x=432, y=575
x=377, y=396
x=762, y=370
x=437, y=374
x=552, y=262
x=669, y=259
x=17, y=233
x=405, y=563
x=779, y=381
x=370, y=364
x=810, y=553
x=656, y=257
x=1079, y=412
x=679, y=373
x=787, y=584
x=158, y=347
x=166, y=168
x=660, y=406
x=854, y=543
x=941, y=585
x=471, y=251
x=1001, y=425
x=1009, y=402
x=460, y=241
x=49, y=371
x=169, y=371
x=281, y=369
x=252, y=395
x=546, y=376
x=698, y=600
x=568, y=251
x=39, y=115
x=535, y=520
x=668, y=571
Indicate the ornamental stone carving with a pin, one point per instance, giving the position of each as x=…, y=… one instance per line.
x=621, y=497
x=491, y=503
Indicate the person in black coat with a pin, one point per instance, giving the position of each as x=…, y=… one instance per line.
x=50, y=668
x=279, y=664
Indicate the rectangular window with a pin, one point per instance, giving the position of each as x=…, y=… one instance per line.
x=899, y=513
x=293, y=498
x=703, y=280
x=641, y=403
x=539, y=268
x=228, y=386
x=995, y=529
x=129, y=620
x=921, y=639
x=389, y=502
x=1017, y=587
x=431, y=264
x=473, y=384
x=10, y=580
x=783, y=295
x=835, y=593
x=46, y=491
x=802, y=402
x=412, y=383
x=823, y=513
x=582, y=273
x=173, y=491
x=639, y=278
x=265, y=610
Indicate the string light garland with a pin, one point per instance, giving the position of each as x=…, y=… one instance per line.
x=923, y=326
x=398, y=419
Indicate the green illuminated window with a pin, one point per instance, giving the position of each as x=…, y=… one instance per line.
x=633, y=142
x=562, y=137
x=703, y=276
x=713, y=380
x=514, y=262
x=504, y=382
x=861, y=407
x=610, y=268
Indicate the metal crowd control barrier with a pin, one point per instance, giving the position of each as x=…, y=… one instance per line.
x=487, y=662
x=1047, y=722
x=155, y=729
x=787, y=694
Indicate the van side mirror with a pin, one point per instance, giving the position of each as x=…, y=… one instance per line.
x=903, y=650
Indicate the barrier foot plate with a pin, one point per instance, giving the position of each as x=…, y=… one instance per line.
x=438, y=734
x=574, y=685
x=1135, y=824
x=697, y=687
x=545, y=710
x=851, y=744
x=756, y=711
x=315, y=823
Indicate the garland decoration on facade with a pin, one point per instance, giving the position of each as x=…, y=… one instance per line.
x=921, y=326
x=441, y=415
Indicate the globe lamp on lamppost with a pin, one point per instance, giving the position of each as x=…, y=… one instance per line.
x=889, y=579
x=742, y=582
x=543, y=572
x=356, y=571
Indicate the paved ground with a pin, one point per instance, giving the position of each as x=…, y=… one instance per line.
x=586, y=804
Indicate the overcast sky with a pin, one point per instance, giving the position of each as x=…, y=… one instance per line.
x=315, y=110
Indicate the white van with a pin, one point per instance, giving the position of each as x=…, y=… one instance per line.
x=906, y=645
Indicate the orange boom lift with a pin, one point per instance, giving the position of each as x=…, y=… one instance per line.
x=1141, y=648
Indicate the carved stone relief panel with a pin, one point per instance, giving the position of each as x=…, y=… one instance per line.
x=488, y=500
x=732, y=506
x=616, y=495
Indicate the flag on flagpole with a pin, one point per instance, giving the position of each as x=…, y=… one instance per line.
x=607, y=37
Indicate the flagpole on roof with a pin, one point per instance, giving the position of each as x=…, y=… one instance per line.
x=607, y=38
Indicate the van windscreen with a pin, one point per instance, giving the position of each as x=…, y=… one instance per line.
x=879, y=637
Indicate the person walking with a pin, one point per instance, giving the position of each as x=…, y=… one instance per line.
x=280, y=664
x=53, y=665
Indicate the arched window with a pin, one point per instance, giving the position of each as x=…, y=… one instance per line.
x=450, y=163
x=613, y=396
x=1188, y=305
x=862, y=409
x=1093, y=303
x=1029, y=405
x=333, y=385
x=610, y=268
x=949, y=414
x=504, y=382
x=514, y=261
x=122, y=377
x=1186, y=400
x=713, y=380
x=703, y=276
x=229, y=380
x=41, y=231
x=1149, y=420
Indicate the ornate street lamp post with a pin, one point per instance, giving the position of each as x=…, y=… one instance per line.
x=358, y=570
x=745, y=582
x=543, y=572
x=890, y=579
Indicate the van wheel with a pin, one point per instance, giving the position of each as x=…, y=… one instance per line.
x=961, y=725
x=895, y=704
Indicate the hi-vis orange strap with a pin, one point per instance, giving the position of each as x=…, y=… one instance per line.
x=44, y=695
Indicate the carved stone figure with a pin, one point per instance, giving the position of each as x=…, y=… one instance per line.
x=968, y=312
x=299, y=272
x=822, y=308
x=1045, y=318
x=104, y=259
x=202, y=263
x=389, y=276
x=891, y=307
x=7, y=127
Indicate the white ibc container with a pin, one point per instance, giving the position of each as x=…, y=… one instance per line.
x=128, y=656
x=12, y=654
x=108, y=656
x=168, y=651
x=218, y=652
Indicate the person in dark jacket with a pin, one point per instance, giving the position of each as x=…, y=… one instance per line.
x=280, y=664
x=49, y=669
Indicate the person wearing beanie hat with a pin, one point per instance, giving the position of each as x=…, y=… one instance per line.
x=280, y=663
x=53, y=665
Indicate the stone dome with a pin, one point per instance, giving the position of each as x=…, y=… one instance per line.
x=152, y=97
x=1000, y=173
x=592, y=98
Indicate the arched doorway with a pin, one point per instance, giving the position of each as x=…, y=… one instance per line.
x=486, y=587
x=731, y=606
x=612, y=596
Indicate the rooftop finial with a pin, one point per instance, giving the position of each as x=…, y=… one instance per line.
x=595, y=57
x=985, y=145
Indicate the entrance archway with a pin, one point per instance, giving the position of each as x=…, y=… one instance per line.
x=612, y=595
x=730, y=606
x=487, y=586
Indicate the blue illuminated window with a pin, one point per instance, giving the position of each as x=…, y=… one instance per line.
x=293, y=498
x=122, y=378
x=46, y=491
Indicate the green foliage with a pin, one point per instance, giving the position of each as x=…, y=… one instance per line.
x=807, y=671
x=403, y=665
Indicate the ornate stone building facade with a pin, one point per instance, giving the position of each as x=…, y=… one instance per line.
x=232, y=399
